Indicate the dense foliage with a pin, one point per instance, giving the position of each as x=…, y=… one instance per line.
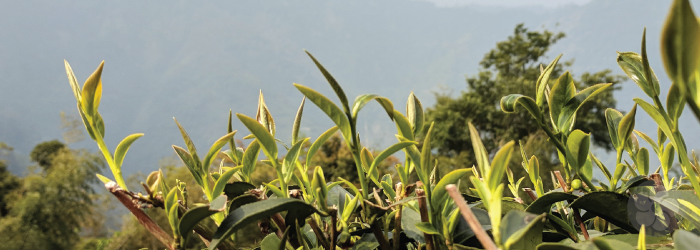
x=420, y=207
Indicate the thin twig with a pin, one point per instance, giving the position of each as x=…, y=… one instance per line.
x=562, y=183
x=577, y=217
x=334, y=230
x=466, y=212
x=319, y=234
x=424, y=217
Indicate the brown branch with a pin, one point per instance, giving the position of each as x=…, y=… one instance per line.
x=577, y=217
x=424, y=217
x=319, y=234
x=126, y=199
x=562, y=183
x=334, y=230
x=466, y=212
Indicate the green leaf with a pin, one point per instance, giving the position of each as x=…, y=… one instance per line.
x=562, y=91
x=533, y=169
x=270, y=242
x=627, y=124
x=263, y=115
x=266, y=140
x=684, y=240
x=86, y=122
x=568, y=112
x=414, y=113
x=522, y=230
x=648, y=139
x=500, y=163
x=253, y=212
x=297, y=121
x=389, y=191
x=543, y=81
x=215, y=148
x=606, y=244
x=190, y=163
x=123, y=147
x=334, y=84
x=349, y=207
x=610, y=206
x=173, y=219
x=409, y=219
x=632, y=64
x=275, y=190
x=104, y=179
x=73, y=81
x=385, y=154
x=613, y=118
x=679, y=42
x=510, y=102
x=190, y=147
x=100, y=125
x=427, y=228
x=170, y=199
x=92, y=91
x=675, y=102
x=439, y=194
x=291, y=158
x=667, y=157
x=319, y=142
x=193, y=216
x=578, y=144
x=223, y=180
x=328, y=107
x=250, y=158
x=661, y=121
x=403, y=126
x=543, y=204
x=363, y=99
x=482, y=156
x=366, y=159
x=238, y=188
x=670, y=200
x=426, y=156
x=643, y=161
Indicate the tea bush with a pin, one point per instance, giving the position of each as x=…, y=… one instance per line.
x=634, y=207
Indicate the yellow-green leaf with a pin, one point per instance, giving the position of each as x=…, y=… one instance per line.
x=500, y=163
x=123, y=147
x=332, y=111
x=263, y=136
x=92, y=91
x=679, y=42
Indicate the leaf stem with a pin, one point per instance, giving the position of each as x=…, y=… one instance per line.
x=116, y=170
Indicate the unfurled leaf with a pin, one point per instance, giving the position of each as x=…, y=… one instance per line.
x=427, y=228
x=578, y=144
x=510, y=102
x=332, y=111
x=334, y=84
x=215, y=148
x=190, y=145
x=482, y=156
x=350, y=207
x=613, y=118
x=366, y=158
x=92, y=92
x=123, y=147
x=193, y=216
x=500, y=163
x=542, y=81
x=191, y=164
x=632, y=64
x=223, y=180
x=318, y=185
x=250, y=158
x=385, y=154
x=291, y=158
x=667, y=157
x=565, y=120
x=679, y=42
x=562, y=91
x=661, y=121
x=627, y=125
x=275, y=190
x=414, y=113
x=266, y=140
x=610, y=206
x=648, y=139
x=256, y=211
x=403, y=126
x=439, y=194
x=533, y=169
x=426, y=154
x=643, y=161
x=362, y=100
x=319, y=142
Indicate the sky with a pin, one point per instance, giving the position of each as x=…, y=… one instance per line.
x=197, y=61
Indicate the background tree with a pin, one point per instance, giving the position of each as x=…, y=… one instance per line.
x=512, y=67
x=54, y=207
x=8, y=181
x=44, y=152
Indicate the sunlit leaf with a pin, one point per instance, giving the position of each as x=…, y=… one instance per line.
x=362, y=100
x=92, y=91
x=328, y=107
x=266, y=140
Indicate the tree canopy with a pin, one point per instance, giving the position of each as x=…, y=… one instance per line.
x=513, y=66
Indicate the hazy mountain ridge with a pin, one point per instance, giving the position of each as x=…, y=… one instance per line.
x=195, y=62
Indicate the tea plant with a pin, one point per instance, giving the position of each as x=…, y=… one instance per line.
x=634, y=208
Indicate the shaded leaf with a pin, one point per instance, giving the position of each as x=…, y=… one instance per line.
x=610, y=206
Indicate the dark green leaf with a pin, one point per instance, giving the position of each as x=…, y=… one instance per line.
x=610, y=206
x=238, y=188
x=544, y=203
x=522, y=230
x=251, y=213
x=193, y=216
x=685, y=240
x=606, y=244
